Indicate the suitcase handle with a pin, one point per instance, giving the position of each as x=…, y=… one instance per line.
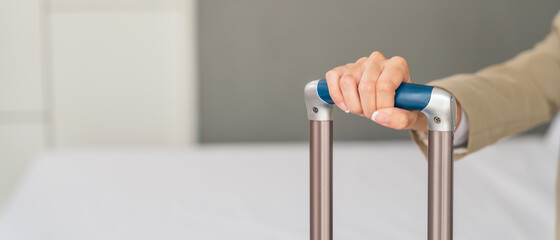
x=440, y=109
x=408, y=96
x=437, y=104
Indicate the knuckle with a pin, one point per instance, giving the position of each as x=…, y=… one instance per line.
x=331, y=74
x=400, y=61
x=386, y=86
x=352, y=76
x=376, y=55
x=366, y=87
x=347, y=80
x=361, y=59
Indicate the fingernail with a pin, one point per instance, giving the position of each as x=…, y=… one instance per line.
x=361, y=114
x=344, y=107
x=380, y=117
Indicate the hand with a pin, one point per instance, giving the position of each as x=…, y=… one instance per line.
x=367, y=88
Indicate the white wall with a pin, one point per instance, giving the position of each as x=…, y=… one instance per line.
x=77, y=73
x=123, y=72
x=21, y=90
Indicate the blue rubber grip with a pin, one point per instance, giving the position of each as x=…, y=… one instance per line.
x=323, y=91
x=412, y=96
x=408, y=96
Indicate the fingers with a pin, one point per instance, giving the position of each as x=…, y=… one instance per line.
x=367, y=88
x=333, y=82
x=367, y=85
x=395, y=118
x=349, y=86
x=395, y=71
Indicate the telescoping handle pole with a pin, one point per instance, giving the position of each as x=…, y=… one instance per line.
x=319, y=111
x=440, y=109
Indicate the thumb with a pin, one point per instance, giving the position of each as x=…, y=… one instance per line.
x=395, y=118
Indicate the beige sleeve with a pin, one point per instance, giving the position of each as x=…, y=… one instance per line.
x=508, y=98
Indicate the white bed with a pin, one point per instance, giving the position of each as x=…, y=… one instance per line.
x=260, y=191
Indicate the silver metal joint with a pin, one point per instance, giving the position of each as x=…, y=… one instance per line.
x=441, y=111
x=317, y=109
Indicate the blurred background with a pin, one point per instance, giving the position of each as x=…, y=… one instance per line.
x=176, y=73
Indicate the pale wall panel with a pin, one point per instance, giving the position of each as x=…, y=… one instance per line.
x=122, y=77
x=20, y=58
x=21, y=90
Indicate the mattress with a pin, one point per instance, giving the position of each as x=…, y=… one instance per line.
x=260, y=191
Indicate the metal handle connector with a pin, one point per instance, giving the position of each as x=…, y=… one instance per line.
x=317, y=108
x=441, y=111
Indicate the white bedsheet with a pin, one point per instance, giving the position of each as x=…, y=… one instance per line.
x=260, y=191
